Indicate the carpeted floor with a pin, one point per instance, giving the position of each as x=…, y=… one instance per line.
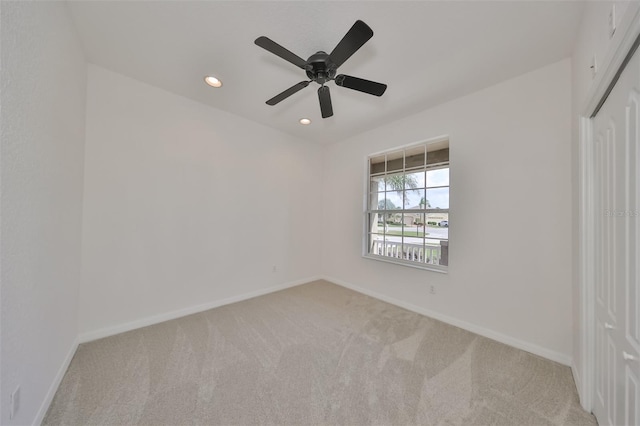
x=312, y=354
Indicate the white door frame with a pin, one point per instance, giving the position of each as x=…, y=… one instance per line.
x=626, y=34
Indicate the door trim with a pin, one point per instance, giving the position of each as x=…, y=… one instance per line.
x=620, y=45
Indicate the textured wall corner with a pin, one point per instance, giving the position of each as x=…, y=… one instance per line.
x=43, y=87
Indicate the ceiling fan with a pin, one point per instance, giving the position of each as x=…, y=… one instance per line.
x=322, y=67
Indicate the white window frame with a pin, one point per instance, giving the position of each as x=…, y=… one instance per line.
x=366, y=231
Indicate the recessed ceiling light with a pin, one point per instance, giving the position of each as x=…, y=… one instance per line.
x=305, y=121
x=212, y=81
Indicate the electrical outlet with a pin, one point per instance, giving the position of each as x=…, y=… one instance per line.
x=432, y=289
x=612, y=20
x=274, y=268
x=14, y=404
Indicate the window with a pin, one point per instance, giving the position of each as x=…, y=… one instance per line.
x=407, y=217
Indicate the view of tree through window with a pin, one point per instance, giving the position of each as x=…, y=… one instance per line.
x=407, y=219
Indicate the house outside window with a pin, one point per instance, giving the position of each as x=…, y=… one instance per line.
x=407, y=215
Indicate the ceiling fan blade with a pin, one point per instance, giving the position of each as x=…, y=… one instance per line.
x=325, y=102
x=351, y=42
x=276, y=49
x=290, y=91
x=361, y=85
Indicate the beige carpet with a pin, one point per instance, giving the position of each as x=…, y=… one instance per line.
x=313, y=354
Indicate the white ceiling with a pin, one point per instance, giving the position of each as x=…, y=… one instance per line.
x=427, y=52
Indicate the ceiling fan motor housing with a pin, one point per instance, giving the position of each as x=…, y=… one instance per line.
x=320, y=68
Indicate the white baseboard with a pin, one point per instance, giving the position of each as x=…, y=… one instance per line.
x=494, y=335
x=155, y=319
x=55, y=384
x=578, y=379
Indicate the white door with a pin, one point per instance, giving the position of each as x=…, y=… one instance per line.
x=617, y=237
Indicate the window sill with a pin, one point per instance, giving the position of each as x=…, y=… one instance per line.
x=424, y=266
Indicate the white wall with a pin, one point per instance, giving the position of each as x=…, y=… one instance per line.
x=185, y=204
x=43, y=109
x=593, y=39
x=510, y=158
